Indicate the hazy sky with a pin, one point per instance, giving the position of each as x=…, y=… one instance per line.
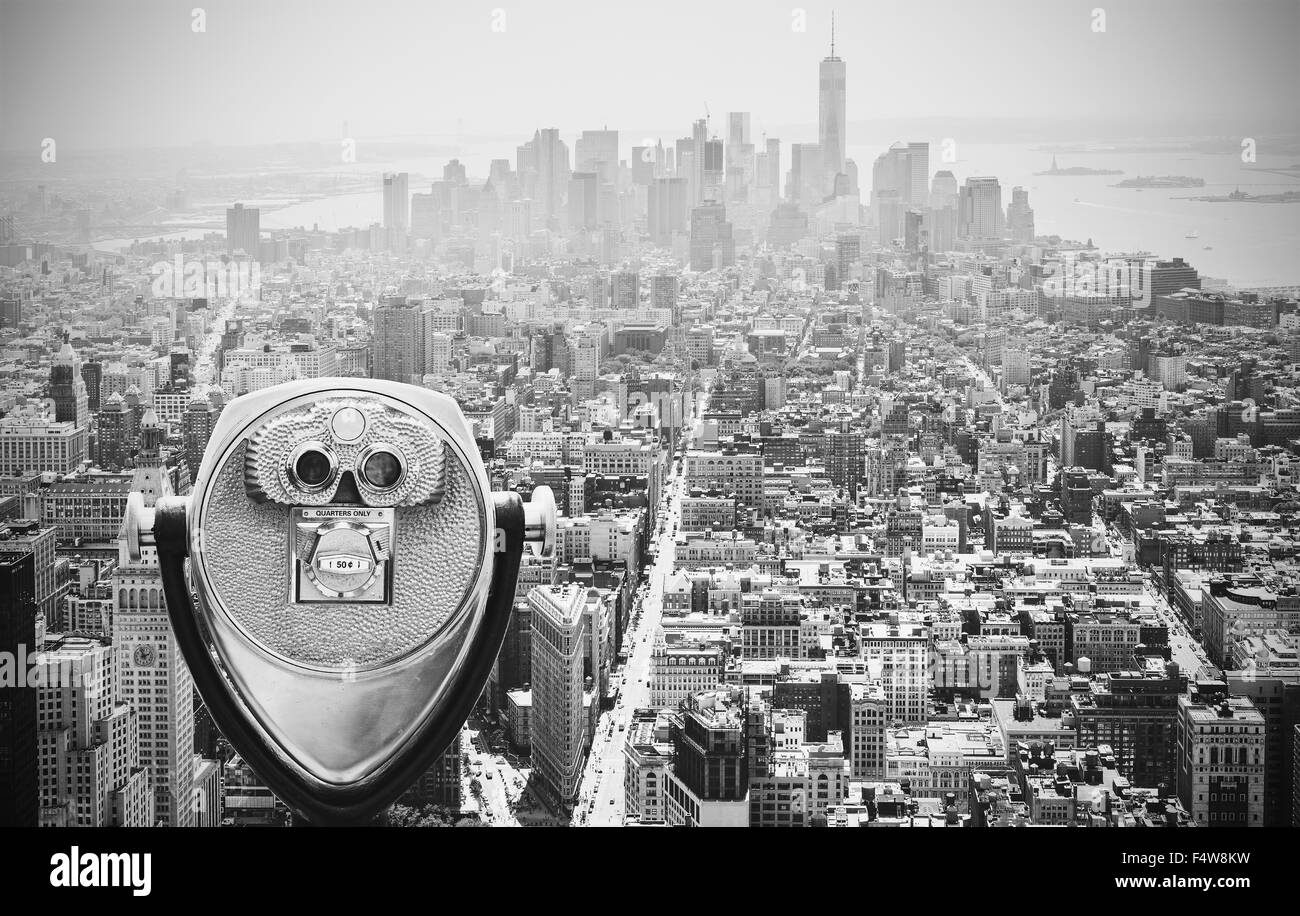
x=121, y=73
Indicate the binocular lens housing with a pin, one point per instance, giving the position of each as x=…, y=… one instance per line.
x=381, y=467
x=313, y=466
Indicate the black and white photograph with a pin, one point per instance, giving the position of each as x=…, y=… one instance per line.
x=730, y=413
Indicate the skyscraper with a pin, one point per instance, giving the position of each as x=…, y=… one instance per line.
x=807, y=174
x=559, y=728
x=773, y=145
x=597, y=151
x=582, y=200
x=711, y=234
x=943, y=190
x=89, y=739
x=848, y=253
x=714, y=174
x=155, y=680
x=196, y=427
x=67, y=387
x=1020, y=216
x=92, y=374
x=243, y=230
x=918, y=163
x=626, y=288
x=117, y=433
x=663, y=293
x=979, y=213
x=19, y=777
x=397, y=343
x=737, y=131
x=666, y=210
x=397, y=202
x=1220, y=758
x=543, y=166
x=831, y=112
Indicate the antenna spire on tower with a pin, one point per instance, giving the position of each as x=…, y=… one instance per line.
x=832, y=33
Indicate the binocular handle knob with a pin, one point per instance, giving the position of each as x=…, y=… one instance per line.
x=138, y=526
x=539, y=520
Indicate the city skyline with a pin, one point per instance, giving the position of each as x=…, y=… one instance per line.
x=890, y=80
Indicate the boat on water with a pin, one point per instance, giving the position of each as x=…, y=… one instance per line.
x=1192, y=235
x=1208, y=248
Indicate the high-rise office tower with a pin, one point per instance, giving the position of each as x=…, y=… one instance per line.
x=89, y=739
x=627, y=289
x=647, y=163
x=890, y=213
x=454, y=172
x=92, y=374
x=1020, y=216
x=67, y=387
x=11, y=313
x=773, y=146
x=582, y=200
x=848, y=254
x=915, y=234
x=559, y=727
x=543, y=166
x=807, y=187
x=1276, y=694
x=712, y=243
x=1220, y=758
x=19, y=770
x=943, y=190
x=892, y=171
x=1136, y=713
x=243, y=229
x=709, y=781
x=714, y=173
x=155, y=680
x=740, y=156
x=831, y=112
x=117, y=434
x=737, y=130
x=397, y=201
x=699, y=137
x=666, y=211
x=663, y=292
x=918, y=165
x=597, y=151
x=980, y=209
x=788, y=224
x=941, y=219
x=397, y=342
x=196, y=429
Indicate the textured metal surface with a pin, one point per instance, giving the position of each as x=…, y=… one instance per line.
x=438, y=549
x=423, y=451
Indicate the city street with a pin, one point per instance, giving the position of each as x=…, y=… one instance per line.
x=601, y=801
x=1185, y=650
x=502, y=799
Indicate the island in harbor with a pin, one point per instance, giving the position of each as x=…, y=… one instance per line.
x=1240, y=196
x=1161, y=181
x=1078, y=170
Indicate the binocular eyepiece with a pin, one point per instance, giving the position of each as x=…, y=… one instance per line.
x=349, y=583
